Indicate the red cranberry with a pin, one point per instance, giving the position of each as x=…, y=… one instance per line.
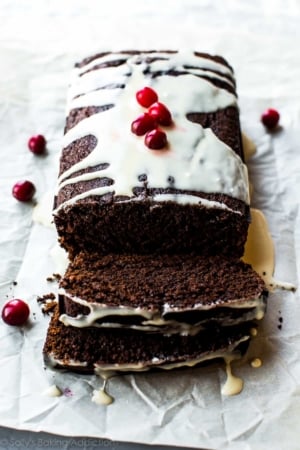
x=156, y=139
x=146, y=97
x=160, y=113
x=23, y=191
x=37, y=144
x=142, y=124
x=270, y=118
x=15, y=312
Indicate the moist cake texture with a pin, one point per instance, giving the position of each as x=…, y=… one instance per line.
x=154, y=235
x=93, y=349
x=167, y=294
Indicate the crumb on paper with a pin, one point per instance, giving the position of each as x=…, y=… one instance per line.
x=54, y=277
x=280, y=320
x=47, y=302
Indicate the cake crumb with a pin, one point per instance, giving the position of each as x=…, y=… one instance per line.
x=54, y=277
x=47, y=302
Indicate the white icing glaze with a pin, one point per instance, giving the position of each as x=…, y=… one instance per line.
x=107, y=371
x=107, y=374
x=84, y=80
x=256, y=363
x=260, y=254
x=153, y=319
x=166, y=327
x=178, y=59
x=100, y=60
x=53, y=361
x=60, y=258
x=284, y=285
x=105, y=95
x=52, y=391
x=184, y=199
x=253, y=332
x=227, y=355
x=248, y=146
x=195, y=157
x=233, y=384
x=101, y=396
x=42, y=212
x=238, y=303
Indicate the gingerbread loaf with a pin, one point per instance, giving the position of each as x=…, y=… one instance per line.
x=155, y=229
x=116, y=195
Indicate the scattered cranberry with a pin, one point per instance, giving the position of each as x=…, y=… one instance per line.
x=37, y=144
x=23, y=191
x=146, y=97
x=156, y=139
x=15, y=312
x=160, y=113
x=270, y=118
x=142, y=124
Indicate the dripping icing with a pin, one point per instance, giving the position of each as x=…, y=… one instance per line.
x=106, y=371
x=52, y=391
x=153, y=320
x=259, y=252
x=233, y=385
x=248, y=146
x=127, y=157
x=101, y=396
x=256, y=363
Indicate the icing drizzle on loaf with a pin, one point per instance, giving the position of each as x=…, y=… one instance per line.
x=196, y=160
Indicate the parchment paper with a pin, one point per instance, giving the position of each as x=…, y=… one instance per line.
x=40, y=41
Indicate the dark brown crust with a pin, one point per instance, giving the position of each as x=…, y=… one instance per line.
x=94, y=345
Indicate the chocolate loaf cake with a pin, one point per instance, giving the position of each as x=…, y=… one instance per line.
x=92, y=349
x=164, y=294
x=117, y=195
x=152, y=206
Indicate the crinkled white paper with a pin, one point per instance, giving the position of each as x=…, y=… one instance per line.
x=39, y=43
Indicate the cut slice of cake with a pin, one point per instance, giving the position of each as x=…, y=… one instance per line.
x=96, y=350
x=163, y=293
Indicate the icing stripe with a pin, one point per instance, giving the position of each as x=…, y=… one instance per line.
x=154, y=317
x=158, y=363
x=196, y=159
